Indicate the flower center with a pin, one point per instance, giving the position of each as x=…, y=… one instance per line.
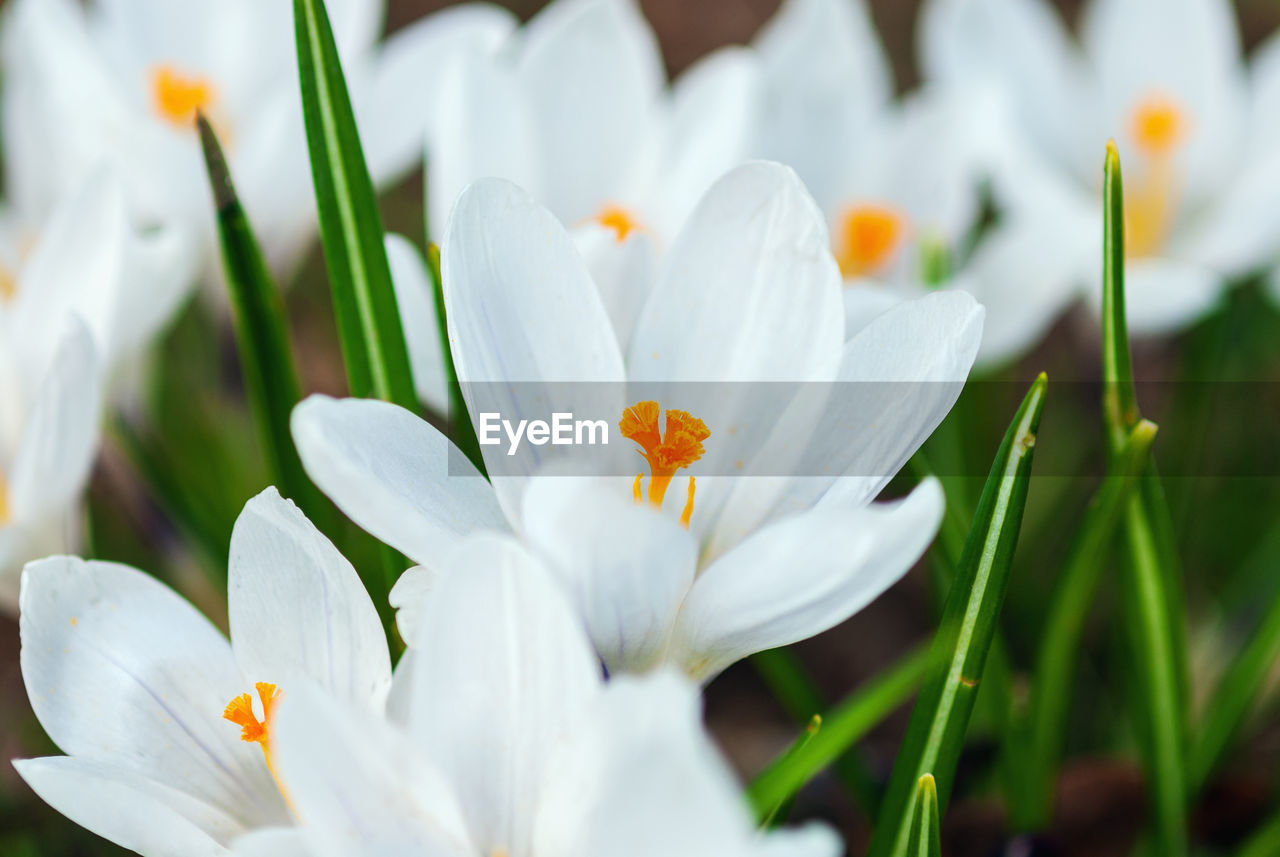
x=619, y=219
x=5, y=514
x=8, y=284
x=176, y=97
x=240, y=712
x=1158, y=126
x=867, y=238
x=666, y=452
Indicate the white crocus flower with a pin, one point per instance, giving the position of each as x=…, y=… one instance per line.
x=505, y=740
x=898, y=182
x=137, y=687
x=575, y=109
x=1165, y=79
x=120, y=81
x=749, y=293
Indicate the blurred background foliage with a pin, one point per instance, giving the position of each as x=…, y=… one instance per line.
x=189, y=443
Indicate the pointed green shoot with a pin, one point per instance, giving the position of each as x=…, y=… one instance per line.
x=843, y=726
x=936, y=731
x=776, y=814
x=373, y=344
x=926, y=827
x=464, y=431
x=263, y=338
x=1152, y=580
x=1056, y=660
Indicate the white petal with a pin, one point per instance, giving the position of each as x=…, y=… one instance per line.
x=524, y=319
x=827, y=79
x=709, y=128
x=483, y=127
x=499, y=642
x=1185, y=50
x=60, y=440
x=520, y=303
x=719, y=313
x=358, y=786
x=640, y=777
x=298, y=610
x=130, y=810
x=592, y=72
x=393, y=115
x=865, y=301
x=273, y=842
x=120, y=670
x=898, y=379
x=624, y=273
x=159, y=273
x=1026, y=273
x=626, y=567
x=1164, y=295
x=415, y=295
x=1020, y=50
x=87, y=281
x=1239, y=234
x=801, y=576
x=393, y=474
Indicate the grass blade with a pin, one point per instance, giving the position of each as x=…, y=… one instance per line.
x=772, y=816
x=1056, y=660
x=935, y=734
x=793, y=687
x=1152, y=603
x=842, y=726
x=373, y=345
x=1265, y=842
x=926, y=830
x=464, y=430
x=263, y=340
x=1234, y=698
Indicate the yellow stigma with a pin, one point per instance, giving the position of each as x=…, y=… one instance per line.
x=176, y=97
x=1158, y=125
x=4, y=500
x=8, y=284
x=866, y=239
x=619, y=219
x=1159, y=128
x=665, y=451
x=254, y=731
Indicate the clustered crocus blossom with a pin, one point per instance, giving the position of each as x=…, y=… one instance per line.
x=167, y=749
x=598, y=227
x=119, y=84
x=1166, y=80
x=696, y=582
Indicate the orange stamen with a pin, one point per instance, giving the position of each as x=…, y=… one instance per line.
x=619, y=219
x=254, y=731
x=1158, y=125
x=679, y=446
x=867, y=239
x=8, y=284
x=176, y=97
x=4, y=501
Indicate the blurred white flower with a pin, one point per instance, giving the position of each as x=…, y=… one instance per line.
x=1165, y=79
x=574, y=108
x=507, y=741
x=137, y=687
x=749, y=292
x=120, y=81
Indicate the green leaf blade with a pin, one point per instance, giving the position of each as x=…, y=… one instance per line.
x=935, y=734
x=373, y=343
x=1152, y=576
x=926, y=828
x=261, y=334
x=1056, y=659
x=842, y=726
